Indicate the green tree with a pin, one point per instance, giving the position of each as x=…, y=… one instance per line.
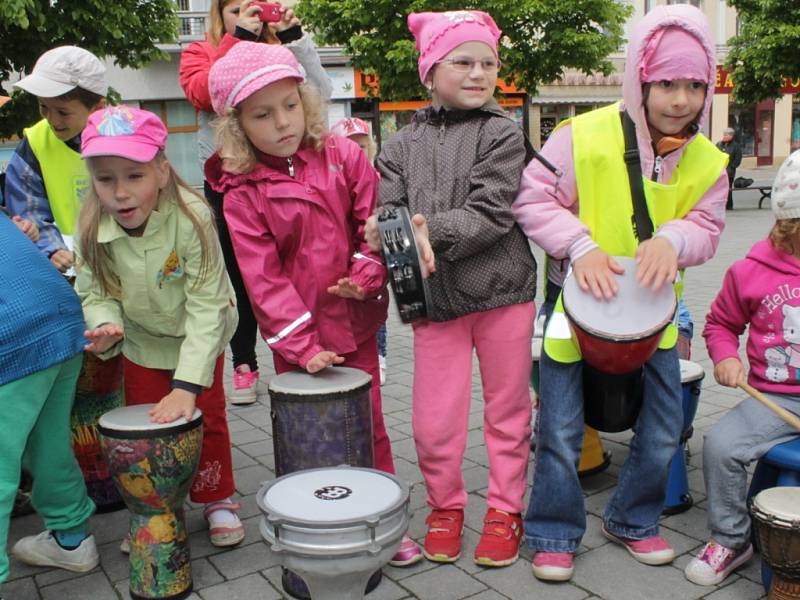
x=127, y=30
x=767, y=48
x=541, y=37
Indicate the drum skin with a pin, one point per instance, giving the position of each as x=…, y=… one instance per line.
x=99, y=390
x=153, y=471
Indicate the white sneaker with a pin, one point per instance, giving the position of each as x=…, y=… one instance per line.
x=382, y=365
x=715, y=562
x=43, y=551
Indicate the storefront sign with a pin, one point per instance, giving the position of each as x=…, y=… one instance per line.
x=724, y=83
x=344, y=83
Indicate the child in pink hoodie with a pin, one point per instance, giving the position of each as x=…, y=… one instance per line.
x=583, y=214
x=762, y=291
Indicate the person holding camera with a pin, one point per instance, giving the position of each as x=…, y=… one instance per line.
x=232, y=21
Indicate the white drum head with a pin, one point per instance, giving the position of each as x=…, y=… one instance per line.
x=780, y=502
x=328, y=381
x=330, y=495
x=633, y=312
x=691, y=371
x=136, y=418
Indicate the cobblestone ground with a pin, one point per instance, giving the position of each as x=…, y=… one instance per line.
x=251, y=571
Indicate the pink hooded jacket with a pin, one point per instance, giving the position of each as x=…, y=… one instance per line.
x=294, y=236
x=763, y=290
x=547, y=209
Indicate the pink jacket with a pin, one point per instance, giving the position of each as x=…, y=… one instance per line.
x=547, y=210
x=762, y=290
x=295, y=236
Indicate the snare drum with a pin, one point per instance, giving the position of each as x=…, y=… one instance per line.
x=407, y=274
x=334, y=526
x=153, y=465
x=776, y=519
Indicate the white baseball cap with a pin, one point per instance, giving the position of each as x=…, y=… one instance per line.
x=61, y=70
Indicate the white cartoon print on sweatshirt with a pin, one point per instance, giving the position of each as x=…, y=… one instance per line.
x=781, y=358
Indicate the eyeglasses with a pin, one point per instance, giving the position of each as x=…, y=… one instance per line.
x=465, y=64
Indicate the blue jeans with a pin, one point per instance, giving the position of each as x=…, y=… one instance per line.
x=556, y=518
x=381, y=339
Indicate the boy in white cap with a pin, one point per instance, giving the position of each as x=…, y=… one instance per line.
x=46, y=175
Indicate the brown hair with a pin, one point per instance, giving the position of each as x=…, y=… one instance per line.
x=235, y=149
x=216, y=25
x=96, y=256
x=85, y=97
x=785, y=235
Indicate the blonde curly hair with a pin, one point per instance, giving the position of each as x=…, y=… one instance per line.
x=237, y=152
x=785, y=235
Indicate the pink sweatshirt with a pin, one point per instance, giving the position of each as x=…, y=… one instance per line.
x=762, y=290
x=547, y=210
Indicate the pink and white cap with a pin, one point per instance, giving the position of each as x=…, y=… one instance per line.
x=439, y=33
x=124, y=131
x=248, y=67
x=350, y=126
x=673, y=53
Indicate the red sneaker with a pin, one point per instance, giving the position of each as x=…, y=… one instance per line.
x=499, y=543
x=443, y=540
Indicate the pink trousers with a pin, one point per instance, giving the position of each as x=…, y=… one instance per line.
x=441, y=402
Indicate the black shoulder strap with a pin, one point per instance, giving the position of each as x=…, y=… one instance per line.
x=642, y=224
x=531, y=153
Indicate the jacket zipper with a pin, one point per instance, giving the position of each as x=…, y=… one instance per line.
x=435, y=153
x=657, y=168
x=291, y=166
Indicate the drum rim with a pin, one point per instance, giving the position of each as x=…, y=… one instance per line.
x=760, y=512
x=318, y=396
x=367, y=383
x=309, y=524
x=141, y=434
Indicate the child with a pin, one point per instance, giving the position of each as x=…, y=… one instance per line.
x=357, y=130
x=154, y=287
x=752, y=294
x=46, y=175
x=457, y=168
x=41, y=343
x=230, y=22
x=296, y=201
x=667, y=93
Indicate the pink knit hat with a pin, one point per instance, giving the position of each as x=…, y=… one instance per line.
x=248, y=67
x=438, y=33
x=673, y=53
x=351, y=126
x=124, y=131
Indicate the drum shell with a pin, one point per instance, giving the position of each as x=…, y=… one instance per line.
x=690, y=390
x=611, y=402
x=778, y=542
x=614, y=355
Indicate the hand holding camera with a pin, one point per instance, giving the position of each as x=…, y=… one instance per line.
x=270, y=11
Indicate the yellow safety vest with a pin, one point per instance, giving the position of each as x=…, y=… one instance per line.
x=605, y=204
x=64, y=174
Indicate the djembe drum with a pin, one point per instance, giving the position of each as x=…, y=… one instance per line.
x=776, y=520
x=335, y=526
x=153, y=465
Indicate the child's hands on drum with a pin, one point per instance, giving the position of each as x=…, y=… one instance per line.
x=178, y=403
x=103, y=338
x=657, y=262
x=323, y=359
x=595, y=272
x=62, y=260
x=347, y=288
x=729, y=372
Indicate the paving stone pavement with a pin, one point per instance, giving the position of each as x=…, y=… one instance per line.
x=251, y=571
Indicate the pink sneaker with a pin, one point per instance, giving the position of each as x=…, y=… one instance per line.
x=553, y=566
x=244, y=386
x=654, y=550
x=408, y=553
x=715, y=563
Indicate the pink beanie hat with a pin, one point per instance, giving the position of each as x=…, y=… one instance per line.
x=674, y=53
x=248, y=67
x=124, y=131
x=351, y=126
x=438, y=33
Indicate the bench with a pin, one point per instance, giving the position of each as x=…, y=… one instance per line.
x=764, y=190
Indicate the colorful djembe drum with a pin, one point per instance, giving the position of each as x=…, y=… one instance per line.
x=153, y=465
x=99, y=391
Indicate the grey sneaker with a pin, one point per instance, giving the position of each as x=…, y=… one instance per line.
x=43, y=551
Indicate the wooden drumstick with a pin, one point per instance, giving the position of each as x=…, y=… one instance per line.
x=784, y=414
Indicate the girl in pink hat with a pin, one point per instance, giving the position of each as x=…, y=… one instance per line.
x=154, y=288
x=296, y=201
x=586, y=213
x=457, y=168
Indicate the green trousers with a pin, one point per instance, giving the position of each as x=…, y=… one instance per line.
x=35, y=433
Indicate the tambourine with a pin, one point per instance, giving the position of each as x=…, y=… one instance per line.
x=407, y=274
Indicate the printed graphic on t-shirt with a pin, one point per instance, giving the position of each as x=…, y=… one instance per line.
x=783, y=361
x=171, y=270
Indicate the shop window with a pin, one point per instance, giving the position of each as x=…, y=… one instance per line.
x=551, y=115
x=181, y=120
x=697, y=3
x=796, y=123
x=743, y=120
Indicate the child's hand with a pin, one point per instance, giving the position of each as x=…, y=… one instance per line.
x=104, y=337
x=372, y=234
x=27, y=227
x=178, y=403
x=347, y=288
x=729, y=372
x=657, y=262
x=62, y=260
x=323, y=359
x=424, y=243
x=248, y=17
x=595, y=272
x=288, y=20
